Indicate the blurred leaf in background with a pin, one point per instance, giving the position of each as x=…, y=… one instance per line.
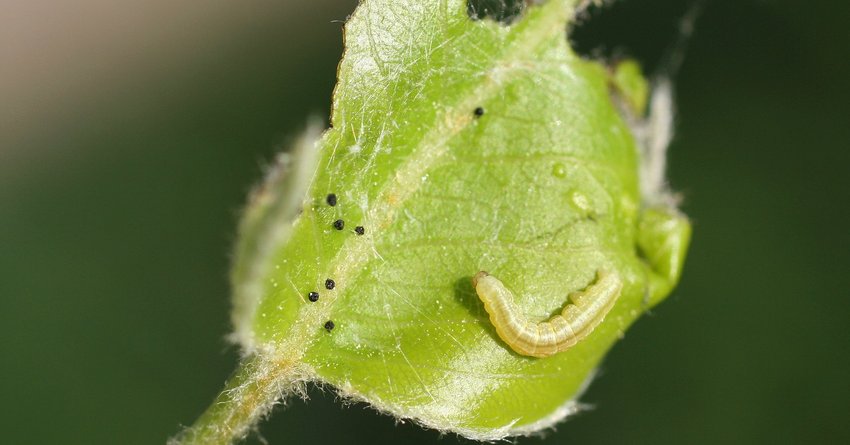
x=129, y=135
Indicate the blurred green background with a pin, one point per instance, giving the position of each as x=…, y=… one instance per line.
x=130, y=134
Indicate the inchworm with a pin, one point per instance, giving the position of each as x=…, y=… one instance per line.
x=582, y=313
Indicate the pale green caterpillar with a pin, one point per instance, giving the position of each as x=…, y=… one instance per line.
x=584, y=311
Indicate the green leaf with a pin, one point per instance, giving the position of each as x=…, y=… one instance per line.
x=541, y=190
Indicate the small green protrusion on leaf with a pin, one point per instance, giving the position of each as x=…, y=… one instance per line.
x=631, y=85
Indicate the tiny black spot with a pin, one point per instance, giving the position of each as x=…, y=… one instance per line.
x=339, y=224
x=313, y=296
x=329, y=325
x=479, y=112
x=360, y=230
x=329, y=284
x=331, y=199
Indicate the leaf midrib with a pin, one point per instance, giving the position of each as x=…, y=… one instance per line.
x=354, y=253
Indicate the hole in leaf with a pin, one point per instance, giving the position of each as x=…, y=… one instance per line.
x=503, y=11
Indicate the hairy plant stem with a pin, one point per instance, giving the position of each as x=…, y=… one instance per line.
x=257, y=384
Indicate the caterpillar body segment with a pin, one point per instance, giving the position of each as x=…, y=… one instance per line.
x=582, y=313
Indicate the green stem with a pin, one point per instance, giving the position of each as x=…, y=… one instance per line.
x=249, y=394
